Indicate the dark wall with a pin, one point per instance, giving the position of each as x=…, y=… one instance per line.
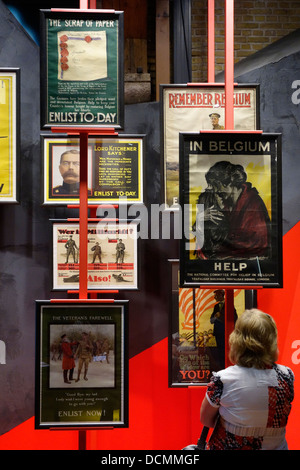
x=279, y=114
x=25, y=237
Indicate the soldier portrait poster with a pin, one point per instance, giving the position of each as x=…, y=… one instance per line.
x=81, y=69
x=192, y=108
x=230, y=192
x=112, y=255
x=9, y=134
x=115, y=169
x=81, y=364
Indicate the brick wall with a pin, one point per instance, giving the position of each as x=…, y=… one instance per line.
x=257, y=23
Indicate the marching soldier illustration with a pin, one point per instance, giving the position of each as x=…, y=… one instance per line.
x=120, y=252
x=97, y=252
x=72, y=250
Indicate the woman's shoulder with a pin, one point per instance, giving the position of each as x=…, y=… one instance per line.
x=285, y=370
x=229, y=373
x=237, y=372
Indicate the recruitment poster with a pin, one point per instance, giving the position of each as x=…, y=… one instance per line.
x=9, y=134
x=192, y=108
x=81, y=365
x=230, y=193
x=198, y=341
x=112, y=256
x=81, y=69
x=115, y=169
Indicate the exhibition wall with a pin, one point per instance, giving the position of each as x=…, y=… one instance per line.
x=160, y=417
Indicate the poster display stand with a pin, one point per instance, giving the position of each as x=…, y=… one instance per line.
x=229, y=123
x=83, y=294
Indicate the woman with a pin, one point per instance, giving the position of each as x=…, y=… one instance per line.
x=248, y=404
x=248, y=220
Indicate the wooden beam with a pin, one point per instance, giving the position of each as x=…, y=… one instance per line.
x=162, y=44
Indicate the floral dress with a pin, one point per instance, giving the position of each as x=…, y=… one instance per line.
x=254, y=406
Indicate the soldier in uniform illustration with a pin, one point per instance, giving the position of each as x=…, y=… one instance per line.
x=69, y=169
x=214, y=117
x=96, y=252
x=84, y=353
x=120, y=251
x=71, y=248
x=68, y=363
x=218, y=320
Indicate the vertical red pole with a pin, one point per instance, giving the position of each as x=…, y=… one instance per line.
x=229, y=64
x=84, y=4
x=229, y=125
x=229, y=321
x=83, y=215
x=211, y=41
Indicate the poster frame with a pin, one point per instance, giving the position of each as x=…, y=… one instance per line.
x=250, y=299
x=74, y=117
x=51, y=178
x=115, y=392
x=170, y=125
x=119, y=284
x=14, y=150
x=260, y=270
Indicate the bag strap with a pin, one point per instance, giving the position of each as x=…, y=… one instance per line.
x=202, y=439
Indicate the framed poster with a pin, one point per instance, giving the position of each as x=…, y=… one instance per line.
x=82, y=72
x=81, y=365
x=112, y=255
x=230, y=193
x=115, y=169
x=192, y=108
x=9, y=134
x=197, y=332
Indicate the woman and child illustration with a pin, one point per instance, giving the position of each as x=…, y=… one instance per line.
x=236, y=220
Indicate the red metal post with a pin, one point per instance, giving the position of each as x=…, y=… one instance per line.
x=83, y=215
x=229, y=64
x=84, y=4
x=229, y=321
x=211, y=41
x=229, y=125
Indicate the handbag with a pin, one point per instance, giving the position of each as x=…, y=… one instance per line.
x=201, y=444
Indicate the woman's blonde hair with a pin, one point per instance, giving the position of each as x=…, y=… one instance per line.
x=253, y=343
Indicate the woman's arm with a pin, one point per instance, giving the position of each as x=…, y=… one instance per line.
x=208, y=414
